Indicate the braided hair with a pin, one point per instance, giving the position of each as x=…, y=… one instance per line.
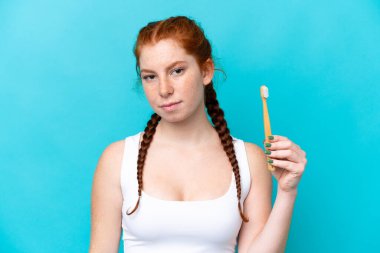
x=191, y=37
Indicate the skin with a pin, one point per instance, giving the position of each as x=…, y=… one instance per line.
x=188, y=126
x=185, y=134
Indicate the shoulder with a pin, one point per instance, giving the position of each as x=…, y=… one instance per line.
x=114, y=151
x=254, y=152
x=257, y=163
x=255, y=155
x=110, y=160
x=112, y=154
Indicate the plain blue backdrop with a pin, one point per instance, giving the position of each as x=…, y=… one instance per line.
x=68, y=89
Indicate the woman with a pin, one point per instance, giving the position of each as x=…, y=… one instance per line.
x=170, y=187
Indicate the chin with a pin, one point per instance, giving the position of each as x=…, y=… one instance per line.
x=171, y=117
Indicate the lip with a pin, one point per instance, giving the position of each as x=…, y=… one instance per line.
x=170, y=104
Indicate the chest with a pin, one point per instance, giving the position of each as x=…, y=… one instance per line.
x=187, y=212
x=185, y=174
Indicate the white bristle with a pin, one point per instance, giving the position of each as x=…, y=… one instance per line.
x=265, y=91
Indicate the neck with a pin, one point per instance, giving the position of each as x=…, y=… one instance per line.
x=194, y=131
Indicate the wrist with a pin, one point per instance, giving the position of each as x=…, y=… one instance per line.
x=292, y=193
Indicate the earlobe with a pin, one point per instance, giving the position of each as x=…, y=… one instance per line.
x=206, y=81
x=208, y=72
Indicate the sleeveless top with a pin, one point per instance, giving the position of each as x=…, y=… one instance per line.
x=170, y=226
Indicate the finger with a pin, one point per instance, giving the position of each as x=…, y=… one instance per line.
x=287, y=165
x=285, y=143
x=277, y=138
x=286, y=154
x=282, y=144
x=274, y=138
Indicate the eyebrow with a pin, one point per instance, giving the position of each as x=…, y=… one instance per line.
x=167, y=68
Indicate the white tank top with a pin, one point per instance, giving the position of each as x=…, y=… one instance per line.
x=169, y=226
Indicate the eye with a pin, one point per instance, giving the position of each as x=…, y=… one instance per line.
x=178, y=71
x=146, y=77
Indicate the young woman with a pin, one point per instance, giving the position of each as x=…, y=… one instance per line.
x=184, y=184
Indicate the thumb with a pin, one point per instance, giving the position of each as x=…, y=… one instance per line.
x=277, y=173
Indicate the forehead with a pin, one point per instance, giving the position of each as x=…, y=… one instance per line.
x=162, y=53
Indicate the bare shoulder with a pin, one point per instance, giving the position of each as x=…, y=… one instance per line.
x=112, y=156
x=254, y=153
x=106, y=200
x=260, y=175
x=258, y=204
x=109, y=162
x=114, y=149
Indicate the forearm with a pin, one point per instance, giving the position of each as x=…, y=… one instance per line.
x=273, y=237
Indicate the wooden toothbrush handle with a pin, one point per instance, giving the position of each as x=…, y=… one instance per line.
x=267, y=130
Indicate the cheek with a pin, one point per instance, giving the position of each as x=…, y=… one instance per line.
x=194, y=94
x=149, y=94
x=194, y=87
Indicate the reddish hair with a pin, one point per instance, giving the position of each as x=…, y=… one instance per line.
x=190, y=36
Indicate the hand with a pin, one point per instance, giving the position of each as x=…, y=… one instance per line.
x=289, y=161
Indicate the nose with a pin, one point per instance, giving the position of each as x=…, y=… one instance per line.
x=165, y=88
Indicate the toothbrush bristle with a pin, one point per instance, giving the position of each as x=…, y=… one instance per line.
x=265, y=91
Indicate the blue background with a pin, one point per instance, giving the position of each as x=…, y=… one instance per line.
x=68, y=89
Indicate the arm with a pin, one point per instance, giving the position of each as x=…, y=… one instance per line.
x=267, y=230
x=106, y=201
x=273, y=237
x=258, y=203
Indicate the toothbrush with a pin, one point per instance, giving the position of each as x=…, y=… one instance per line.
x=264, y=92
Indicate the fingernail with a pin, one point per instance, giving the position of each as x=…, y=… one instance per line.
x=268, y=144
x=270, y=137
x=270, y=161
x=267, y=152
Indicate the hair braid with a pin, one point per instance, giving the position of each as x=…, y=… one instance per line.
x=149, y=131
x=190, y=36
x=220, y=124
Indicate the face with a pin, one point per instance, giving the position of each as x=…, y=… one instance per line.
x=170, y=75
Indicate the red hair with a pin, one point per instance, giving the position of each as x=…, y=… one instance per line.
x=190, y=36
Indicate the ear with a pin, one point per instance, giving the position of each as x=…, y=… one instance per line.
x=207, y=71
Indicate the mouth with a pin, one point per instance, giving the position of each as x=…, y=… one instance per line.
x=170, y=104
